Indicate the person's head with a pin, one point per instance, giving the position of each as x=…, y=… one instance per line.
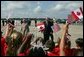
x=67, y=43
x=15, y=39
x=50, y=44
x=46, y=18
x=24, y=20
x=36, y=51
x=9, y=21
x=79, y=42
x=39, y=40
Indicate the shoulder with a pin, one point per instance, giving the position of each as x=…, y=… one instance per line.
x=74, y=49
x=2, y=39
x=21, y=54
x=56, y=49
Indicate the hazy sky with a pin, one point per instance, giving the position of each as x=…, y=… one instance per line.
x=58, y=9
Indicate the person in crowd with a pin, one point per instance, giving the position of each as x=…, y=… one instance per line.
x=21, y=22
x=25, y=46
x=50, y=44
x=37, y=51
x=48, y=30
x=54, y=49
x=13, y=22
x=35, y=22
x=37, y=48
x=10, y=21
x=3, y=22
x=29, y=22
x=79, y=47
x=12, y=40
x=6, y=22
x=4, y=46
x=37, y=42
x=65, y=44
x=25, y=27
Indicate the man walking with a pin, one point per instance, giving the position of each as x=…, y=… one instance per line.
x=48, y=30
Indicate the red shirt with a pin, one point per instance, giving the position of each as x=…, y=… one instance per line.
x=69, y=52
x=24, y=53
x=55, y=52
x=21, y=54
x=3, y=47
x=51, y=54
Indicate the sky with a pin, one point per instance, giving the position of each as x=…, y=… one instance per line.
x=30, y=9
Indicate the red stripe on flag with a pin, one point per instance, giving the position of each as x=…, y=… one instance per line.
x=40, y=24
x=74, y=15
x=70, y=19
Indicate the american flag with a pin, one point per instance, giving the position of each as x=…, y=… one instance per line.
x=56, y=27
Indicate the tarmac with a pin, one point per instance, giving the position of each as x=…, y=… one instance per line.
x=76, y=31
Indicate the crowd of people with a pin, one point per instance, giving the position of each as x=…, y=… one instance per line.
x=15, y=43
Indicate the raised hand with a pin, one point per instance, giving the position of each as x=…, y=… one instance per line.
x=9, y=29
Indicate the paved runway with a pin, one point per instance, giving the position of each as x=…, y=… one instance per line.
x=76, y=31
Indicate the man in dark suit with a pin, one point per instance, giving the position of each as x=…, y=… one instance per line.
x=48, y=30
x=35, y=22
